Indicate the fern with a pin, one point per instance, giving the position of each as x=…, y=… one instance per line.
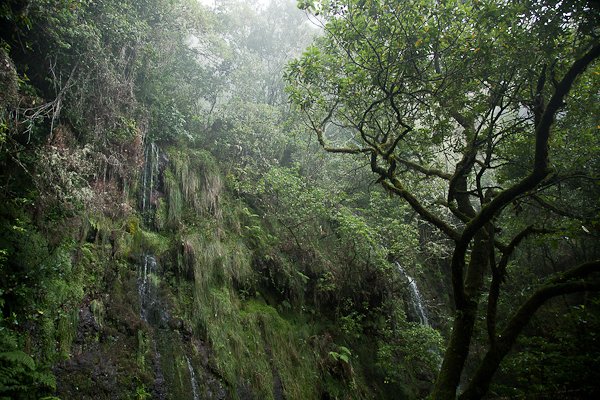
x=45, y=379
x=18, y=357
x=19, y=375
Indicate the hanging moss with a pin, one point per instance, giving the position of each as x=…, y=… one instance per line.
x=8, y=82
x=199, y=179
x=214, y=262
x=175, y=199
x=155, y=243
x=143, y=349
x=99, y=311
x=289, y=354
x=255, y=346
x=65, y=332
x=161, y=215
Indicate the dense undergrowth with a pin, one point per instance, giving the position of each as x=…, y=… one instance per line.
x=131, y=130
x=253, y=303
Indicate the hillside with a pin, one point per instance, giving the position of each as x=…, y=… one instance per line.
x=259, y=201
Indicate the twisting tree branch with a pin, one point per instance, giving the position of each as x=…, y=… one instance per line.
x=564, y=283
x=539, y=172
x=499, y=275
x=424, y=170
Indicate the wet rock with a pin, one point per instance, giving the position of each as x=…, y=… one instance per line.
x=88, y=375
x=202, y=350
x=244, y=392
x=214, y=390
x=88, y=331
x=277, y=386
x=176, y=324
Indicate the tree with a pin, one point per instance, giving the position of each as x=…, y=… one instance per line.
x=475, y=100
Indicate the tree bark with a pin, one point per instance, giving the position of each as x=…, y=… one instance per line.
x=480, y=383
x=464, y=320
x=456, y=353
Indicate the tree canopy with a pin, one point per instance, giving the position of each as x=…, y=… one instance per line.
x=171, y=228
x=466, y=110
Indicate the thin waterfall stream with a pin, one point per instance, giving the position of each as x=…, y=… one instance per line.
x=146, y=289
x=148, y=267
x=415, y=297
x=193, y=380
x=149, y=178
x=152, y=309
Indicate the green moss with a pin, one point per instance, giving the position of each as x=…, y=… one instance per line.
x=99, y=311
x=143, y=349
x=64, y=293
x=174, y=200
x=253, y=344
x=8, y=81
x=239, y=350
x=155, y=243
x=174, y=364
x=198, y=180
x=47, y=349
x=291, y=357
x=161, y=214
x=66, y=331
x=215, y=262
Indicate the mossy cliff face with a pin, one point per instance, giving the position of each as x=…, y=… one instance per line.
x=235, y=343
x=208, y=331
x=134, y=270
x=188, y=294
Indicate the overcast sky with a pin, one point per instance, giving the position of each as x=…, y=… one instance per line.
x=213, y=2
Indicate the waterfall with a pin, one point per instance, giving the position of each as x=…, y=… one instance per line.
x=151, y=313
x=146, y=289
x=193, y=380
x=145, y=194
x=415, y=297
x=153, y=308
x=159, y=379
x=149, y=178
x=148, y=268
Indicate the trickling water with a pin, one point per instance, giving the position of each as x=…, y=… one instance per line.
x=149, y=177
x=145, y=193
x=150, y=306
x=151, y=309
x=150, y=312
x=148, y=267
x=415, y=296
x=159, y=378
x=193, y=380
x=146, y=288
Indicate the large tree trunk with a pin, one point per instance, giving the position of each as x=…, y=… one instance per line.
x=456, y=353
x=464, y=321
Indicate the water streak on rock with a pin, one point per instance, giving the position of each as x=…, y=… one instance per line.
x=193, y=380
x=149, y=177
x=415, y=296
x=146, y=289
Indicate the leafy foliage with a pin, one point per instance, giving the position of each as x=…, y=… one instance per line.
x=159, y=127
x=458, y=108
